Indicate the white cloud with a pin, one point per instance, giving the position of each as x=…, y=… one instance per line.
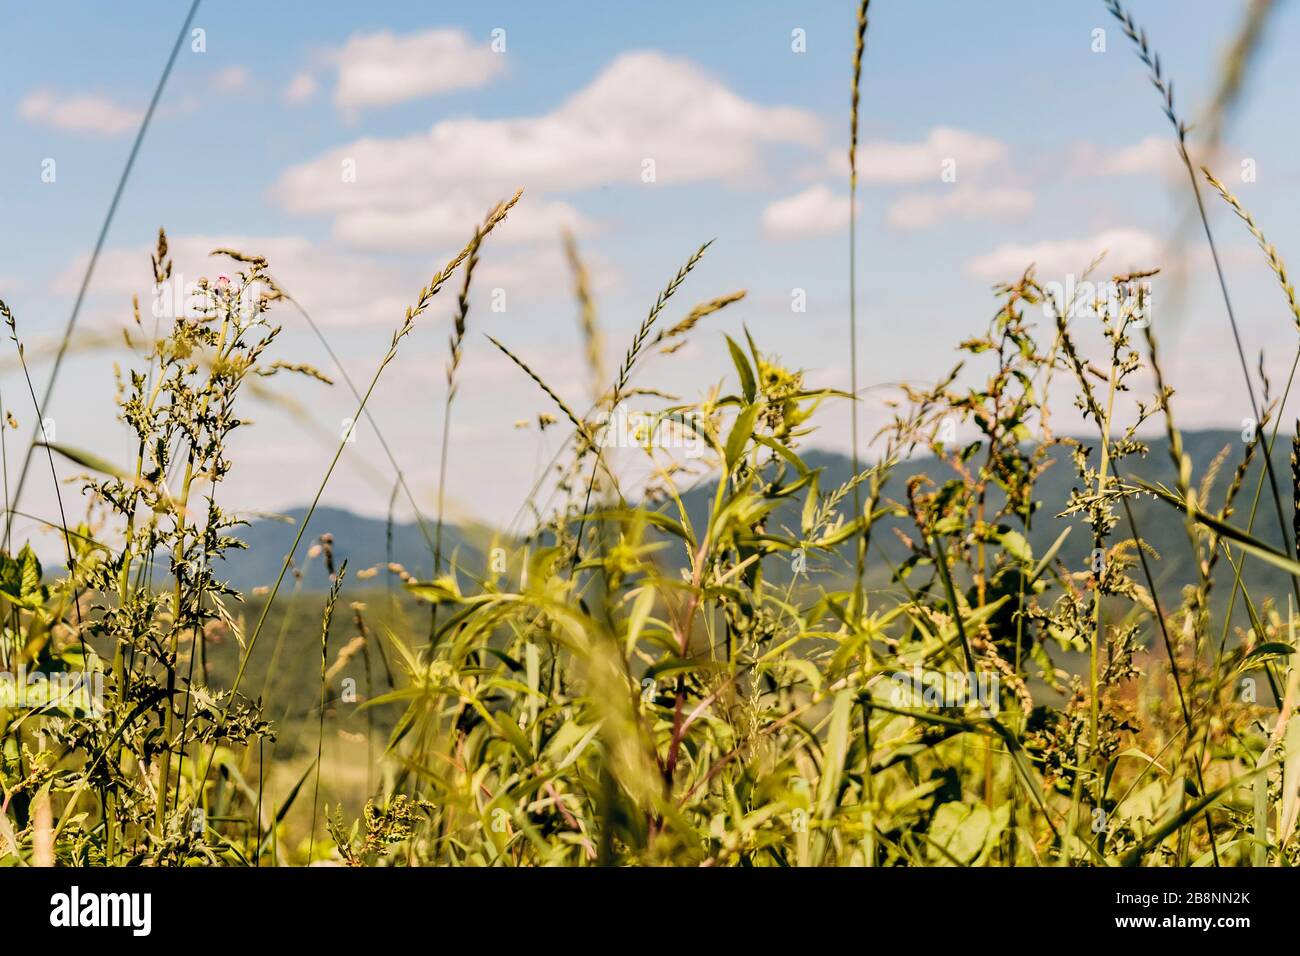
x=231, y=80
x=922, y=210
x=883, y=161
x=444, y=221
x=381, y=69
x=337, y=288
x=1155, y=154
x=85, y=113
x=301, y=88
x=1125, y=249
x=1152, y=156
x=644, y=105
x=540, y=275
x=816, y=211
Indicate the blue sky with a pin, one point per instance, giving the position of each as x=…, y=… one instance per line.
x=1060, y=151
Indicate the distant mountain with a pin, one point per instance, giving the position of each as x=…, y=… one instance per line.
x=1159, y=524
x=364, y=541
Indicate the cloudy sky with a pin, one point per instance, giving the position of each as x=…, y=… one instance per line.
x=355, y=146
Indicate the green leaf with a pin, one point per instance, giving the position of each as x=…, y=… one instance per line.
x=1260, y=808
x=811, y=504
x=1290, y=781
x=293, y=795
x=505, y=727
x=960, y=830
x=1225, y=530
x=1141, y=755
x=660, y=520
x=444, y=590
x=89, y=460
x=641, y=608
x=748, y=383
x=11, y=577
x=740, y=432
x=1014, y=544
x=1047, y=558
x=1270, y=649
x=1189, y=812
x=30, y=570
x=20, y=579
x=785, y=452
x=833, y=757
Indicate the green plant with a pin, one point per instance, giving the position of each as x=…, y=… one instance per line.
x=928, y=662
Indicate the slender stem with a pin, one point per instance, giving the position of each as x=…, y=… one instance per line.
x=44, y=403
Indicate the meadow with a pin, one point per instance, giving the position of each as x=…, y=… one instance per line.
x=1026, y=649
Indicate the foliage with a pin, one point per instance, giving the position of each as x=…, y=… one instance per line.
x=641, y=683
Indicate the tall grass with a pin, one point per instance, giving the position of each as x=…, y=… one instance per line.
x=734, y=669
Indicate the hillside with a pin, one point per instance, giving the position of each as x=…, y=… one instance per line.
x=364, y=542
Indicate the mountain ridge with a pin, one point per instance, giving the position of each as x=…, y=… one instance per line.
x=365, y=542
